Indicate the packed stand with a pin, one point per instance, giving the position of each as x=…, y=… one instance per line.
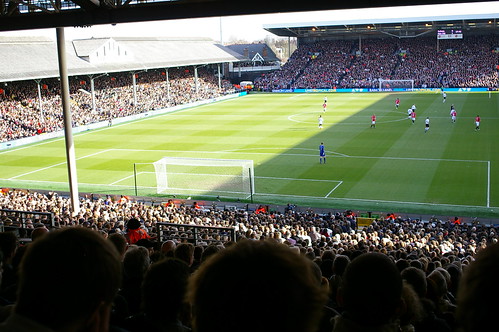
x=328, y=63
x=463, y=63
x=377, y=59
x=284, y=77
x=20, y=114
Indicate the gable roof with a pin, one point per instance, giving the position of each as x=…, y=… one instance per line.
x=252, y=49
x=36, y=58
x=84, y=47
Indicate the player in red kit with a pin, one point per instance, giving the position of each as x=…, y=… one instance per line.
x=477, y=122
x=397, y=103
x=453, y=115
x=413, y=116
x=373, y=121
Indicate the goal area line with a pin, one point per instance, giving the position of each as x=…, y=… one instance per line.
x=328, y=186
x=130, y=187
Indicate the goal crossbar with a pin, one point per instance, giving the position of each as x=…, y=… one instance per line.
x=204, y=174
x=393, y=84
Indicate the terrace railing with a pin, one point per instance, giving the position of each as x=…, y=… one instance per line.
x=194, y=234
x=22, y=223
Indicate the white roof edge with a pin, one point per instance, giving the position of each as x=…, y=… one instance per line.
x=381, y=20
x=393, y=14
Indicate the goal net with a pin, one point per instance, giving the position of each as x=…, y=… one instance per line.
x=396, y=84
x=198, y=176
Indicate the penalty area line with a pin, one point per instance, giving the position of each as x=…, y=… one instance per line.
x=55, y=165
x=331, y=191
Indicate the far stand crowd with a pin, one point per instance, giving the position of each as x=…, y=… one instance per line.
x=21, y=116
x=463, y=63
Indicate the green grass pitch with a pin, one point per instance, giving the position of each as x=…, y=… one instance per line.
x=451, y=169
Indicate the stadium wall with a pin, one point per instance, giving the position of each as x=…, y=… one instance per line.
x=97, y=125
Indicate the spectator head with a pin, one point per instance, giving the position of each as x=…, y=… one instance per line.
x=371, y=290
x=209, y=251
x=168, y=247
x=437, y=285
x=136, y=262
x=38, y=232
x=417, y=279
x=185, y=252
x=1, y=266
x=120, y=243
x=280, y=292
x=164, y=288
x=133, y=224
x=455, y=273
x=68, y=280
x=340, y=263
x=478, y=293
x=8, y=245
x=402, y=264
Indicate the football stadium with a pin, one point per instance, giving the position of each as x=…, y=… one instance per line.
x=139, y=102
x=371, y=150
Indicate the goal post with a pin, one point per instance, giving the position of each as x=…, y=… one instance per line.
x=203, y=176
x=396, y=84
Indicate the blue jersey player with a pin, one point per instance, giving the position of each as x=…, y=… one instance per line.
x=322, y=153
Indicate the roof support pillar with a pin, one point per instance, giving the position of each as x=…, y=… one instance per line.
x=92, y=92
x=39, y=88
x=68, y=129
x=92, y=89
x=219, y=78
x=196, y=82
x=167, y=84
x=134, y=82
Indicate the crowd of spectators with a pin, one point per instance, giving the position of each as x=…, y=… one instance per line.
x=327, y=64
x=21, y=116
x=468, y=62
x=362, y=274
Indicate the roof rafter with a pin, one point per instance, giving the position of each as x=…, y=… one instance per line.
x=17, y=15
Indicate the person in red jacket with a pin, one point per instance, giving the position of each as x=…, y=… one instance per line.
x=261, y=209
x=135, y=232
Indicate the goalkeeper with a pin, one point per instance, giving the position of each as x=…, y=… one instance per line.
x=322, y=153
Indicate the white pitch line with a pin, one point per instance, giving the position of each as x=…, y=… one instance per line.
x=341, y=121
x=55, y=165
x=329, y=193
x=295, y=179
x=372, y=200
x=337, y=154
x=488, y=183
x=291, y=196
x=51, y=140
x=122, y=179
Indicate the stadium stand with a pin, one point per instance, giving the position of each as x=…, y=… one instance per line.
x=470, y=62
x=327, y=64
x=130, y=75
x=114, y=94
x=432, y=256
x=441, y=250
